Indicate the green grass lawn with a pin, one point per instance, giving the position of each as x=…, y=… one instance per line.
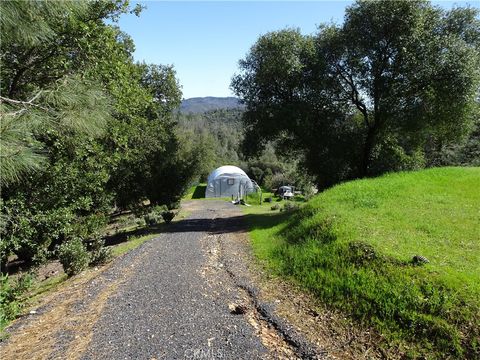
x=352, y=246
x=196, y=192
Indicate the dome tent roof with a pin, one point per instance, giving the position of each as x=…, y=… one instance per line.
x=226, y=170
x=229, y=181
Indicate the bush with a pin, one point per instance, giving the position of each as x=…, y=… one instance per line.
x=157, y=213
x=29, y=234
x=174, y=204
x=99, y=254
x=73, y=256
x=32, y=233
x=278, y=179
x=289, y=206
x=309, y=192
x=153, y=217
x=10, y=296
x=268, y=200
x=168, y=216
x=140, y=222
x=275, y=207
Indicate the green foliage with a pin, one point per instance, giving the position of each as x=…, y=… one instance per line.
x=83, y=127
x=99, y=253
x=29, y=234
x=44, y=41
x=73, y=105
x=364, y=97
x=157, y=213
x=271, y=169
x=152, y=218
x=253, y=198
x=73, y=256
x=469, y=152
x=465, y=152
x=67, y=200
x=39, y=89
x=140, y=222
x=352, y=247
x=154, y=214
x=217, y=136
x=11, y=294
x=20, y=152
x=162, y=84
x=153, y=161
x=31, y=23
x=175, y=170
x=308, y=192
x=289, y=206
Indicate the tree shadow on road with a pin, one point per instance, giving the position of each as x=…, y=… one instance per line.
x=233, y=224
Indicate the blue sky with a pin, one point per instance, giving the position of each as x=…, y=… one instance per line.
x=205, y=40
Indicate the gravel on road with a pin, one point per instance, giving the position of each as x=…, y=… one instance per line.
x=181, y=295
x=170, y=308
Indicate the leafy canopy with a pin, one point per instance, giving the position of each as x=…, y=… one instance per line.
x=364, y=97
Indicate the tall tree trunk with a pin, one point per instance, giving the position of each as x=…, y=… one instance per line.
x=367, y=151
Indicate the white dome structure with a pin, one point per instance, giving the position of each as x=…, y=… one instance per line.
x=228, y=181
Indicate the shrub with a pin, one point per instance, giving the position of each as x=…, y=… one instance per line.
x=73, y=256
x=29, y=234
x=275, y=207
x=157, y=213
x=10, y=296
x=153, y=217
x=173, y=205
x=140, y=222
x=33, y=233
x=309, y=192
x=87, y=226
x=168, y=216
x=160, y=208
x=290, y=206
x=268, y=200
x=99, y=253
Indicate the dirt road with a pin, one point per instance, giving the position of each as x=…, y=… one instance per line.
x=183, y=295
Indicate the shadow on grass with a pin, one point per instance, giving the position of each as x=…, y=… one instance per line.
x=239, y=223
x=199, y=192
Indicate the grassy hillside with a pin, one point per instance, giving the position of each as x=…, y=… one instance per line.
x=352, y=246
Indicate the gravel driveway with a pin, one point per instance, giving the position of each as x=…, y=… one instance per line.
x=178, y=296
x=171, y=309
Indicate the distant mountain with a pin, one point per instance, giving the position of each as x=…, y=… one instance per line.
x=203, y=104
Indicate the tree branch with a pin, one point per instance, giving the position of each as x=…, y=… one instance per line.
x=25, y=104
x=354, y=95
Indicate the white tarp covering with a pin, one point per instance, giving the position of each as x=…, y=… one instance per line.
x=228, y=181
